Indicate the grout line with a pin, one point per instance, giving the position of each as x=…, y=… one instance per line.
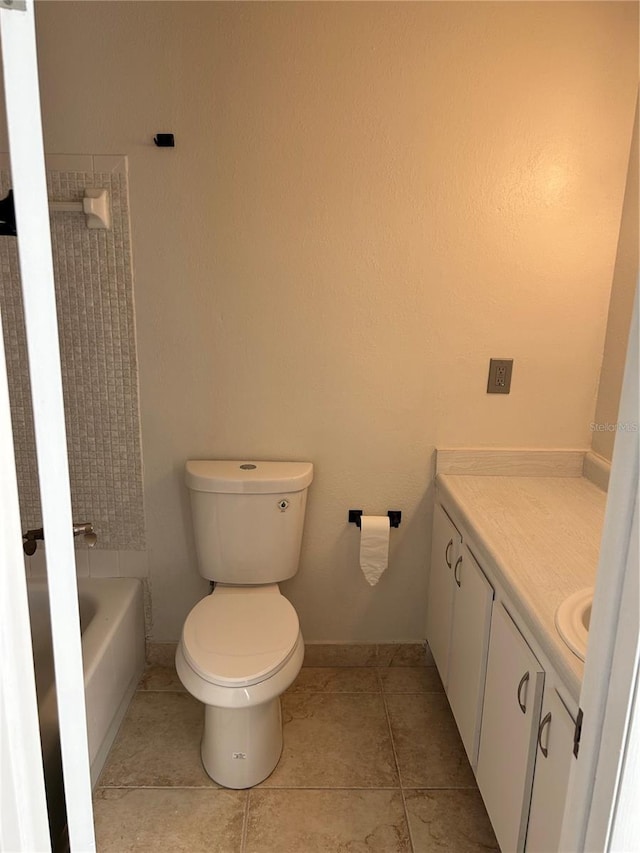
x=395, y=758
x=245, y=822
x=214, y=788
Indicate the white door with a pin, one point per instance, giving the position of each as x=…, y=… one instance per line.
x=473, y=597
x=551, y=777
x=445, y=551
x=511, y=712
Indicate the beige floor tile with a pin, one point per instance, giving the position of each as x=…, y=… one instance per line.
x=158, y=744
x=401, y=654
x=449, y=820
x=430, y=752
x=338, y=679
x=410, y=679
x=340, y=654
x=140, y=820
x=161, y=654
x=333, y=740
x=326, y=822
x=160, y=678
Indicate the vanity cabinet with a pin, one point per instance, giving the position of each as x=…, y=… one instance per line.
x=445, y=553
x=553, y=765
x=510, y=717
x=472, y=600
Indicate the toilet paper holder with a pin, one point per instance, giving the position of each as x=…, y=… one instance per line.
x=395, y=516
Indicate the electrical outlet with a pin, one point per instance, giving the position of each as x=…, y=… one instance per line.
x=499, y=375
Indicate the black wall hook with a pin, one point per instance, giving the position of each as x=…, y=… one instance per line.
x=395, y=516
x=8, y=217
x=165, y=140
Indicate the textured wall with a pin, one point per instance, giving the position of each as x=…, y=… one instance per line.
x=366, y=202
x=624, y=286
x=94, y=297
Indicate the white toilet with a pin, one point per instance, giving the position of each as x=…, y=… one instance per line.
x=241, y=646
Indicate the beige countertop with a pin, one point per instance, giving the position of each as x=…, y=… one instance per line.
x=542, y=538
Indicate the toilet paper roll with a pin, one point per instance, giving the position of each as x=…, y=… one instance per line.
x=374, y=546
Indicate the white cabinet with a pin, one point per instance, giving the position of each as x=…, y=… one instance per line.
x=553, y=764
x=472, y=599
x=445, y=551
x=511, y=712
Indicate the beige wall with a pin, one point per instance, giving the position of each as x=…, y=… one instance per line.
x=625, y=280
x=365, y=203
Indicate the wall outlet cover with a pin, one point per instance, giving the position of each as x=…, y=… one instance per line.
x=499, y=381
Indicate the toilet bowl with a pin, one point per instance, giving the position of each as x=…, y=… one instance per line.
x=241, y=646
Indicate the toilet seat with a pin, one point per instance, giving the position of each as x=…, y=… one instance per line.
x=241, y=639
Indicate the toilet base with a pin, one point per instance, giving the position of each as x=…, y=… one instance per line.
x=242, y=746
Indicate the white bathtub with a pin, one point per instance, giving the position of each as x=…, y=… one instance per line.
x=112, y=623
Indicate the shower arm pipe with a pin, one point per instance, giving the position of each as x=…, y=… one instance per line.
x=31, y=537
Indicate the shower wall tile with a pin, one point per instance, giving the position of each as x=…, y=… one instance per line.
x=94, y=294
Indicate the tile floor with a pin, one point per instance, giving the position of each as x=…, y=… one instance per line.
x=372, y=763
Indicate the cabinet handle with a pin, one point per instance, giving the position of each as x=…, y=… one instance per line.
x=523, y=681
x=547, y=719
x=446, y=553
x=455, y=570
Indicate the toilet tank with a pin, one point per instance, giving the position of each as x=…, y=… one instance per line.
x=248, y=518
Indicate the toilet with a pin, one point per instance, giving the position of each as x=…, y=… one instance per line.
x=241, y=646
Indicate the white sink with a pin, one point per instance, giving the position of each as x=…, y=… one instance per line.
x=573, y=618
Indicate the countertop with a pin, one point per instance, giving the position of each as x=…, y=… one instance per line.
x=542, y=538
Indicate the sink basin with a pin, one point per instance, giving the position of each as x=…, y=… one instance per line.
x=573, y=618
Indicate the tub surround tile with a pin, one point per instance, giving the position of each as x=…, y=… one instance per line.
x=94, y=297
x=158, y=744
x=133, y=564
x=326, y=822
x=82, y=562
x=428, y=747
x=410, y=679
x=331, y=740
x=449, y=820
x=103, y=564
x=340, y=679
x=138, y=820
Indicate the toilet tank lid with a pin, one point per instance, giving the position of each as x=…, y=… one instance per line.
x=249, y=477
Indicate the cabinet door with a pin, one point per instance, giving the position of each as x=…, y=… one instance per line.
x=445, y=550
x=472, y=599
x=551, y=778
x=510, y=716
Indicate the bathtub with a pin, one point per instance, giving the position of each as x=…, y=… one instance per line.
x=112, y=624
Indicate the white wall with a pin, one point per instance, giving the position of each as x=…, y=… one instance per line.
x=624, y=285
x=366, y=202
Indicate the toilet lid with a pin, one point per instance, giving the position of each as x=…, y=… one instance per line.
x=238, y=640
